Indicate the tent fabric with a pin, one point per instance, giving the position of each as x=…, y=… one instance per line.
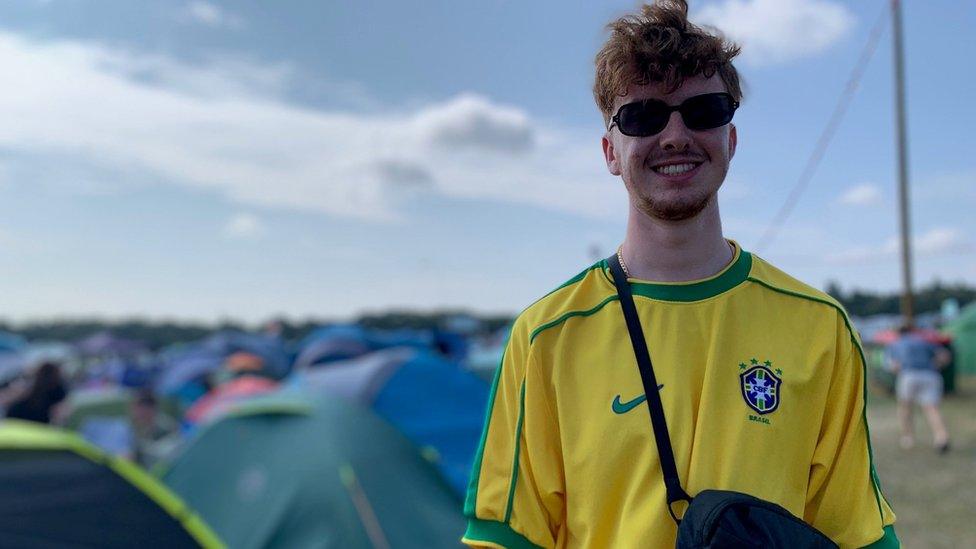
x=330, y=350
x=331, y=344
x=270, y=349
x=184, y=369
x=342, y=342
x=438, y=405
x=358, y=379
x=106, y=402
x=887, y=337
x=214, y=403
x=187, y=364
x=298, y=469
x=58, y=491
x=11, y=342
x=963, y=330
x=107, y=344
x=434, y=402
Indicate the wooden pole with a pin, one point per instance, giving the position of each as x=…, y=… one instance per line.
x=907, y=301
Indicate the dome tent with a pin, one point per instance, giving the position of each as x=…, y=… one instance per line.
x=58, y=491
x=307, y=473
x=963, y=330
x=433, y=401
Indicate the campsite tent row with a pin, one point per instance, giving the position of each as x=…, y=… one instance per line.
x=337, y=476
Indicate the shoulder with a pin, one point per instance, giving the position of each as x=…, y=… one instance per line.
x=582, y=295
x=798, y=295
x=775, y=280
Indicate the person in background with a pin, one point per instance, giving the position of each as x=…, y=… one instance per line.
x=149, y=428
x=916, y=363
x=47, y=390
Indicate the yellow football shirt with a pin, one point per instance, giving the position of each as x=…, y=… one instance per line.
x=762, y=380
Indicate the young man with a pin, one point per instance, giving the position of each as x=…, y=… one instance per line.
x=761, y=376
x=916, y=363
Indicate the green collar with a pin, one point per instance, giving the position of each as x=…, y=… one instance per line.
x=730, y=277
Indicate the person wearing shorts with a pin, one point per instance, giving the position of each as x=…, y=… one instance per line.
x=917, y=363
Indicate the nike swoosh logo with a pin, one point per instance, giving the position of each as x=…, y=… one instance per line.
x=623, y=408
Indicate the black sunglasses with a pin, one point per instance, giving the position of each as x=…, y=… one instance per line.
x=650, y=116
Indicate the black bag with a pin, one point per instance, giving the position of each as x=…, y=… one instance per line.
x=714, y=518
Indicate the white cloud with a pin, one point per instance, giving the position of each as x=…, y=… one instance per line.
x=225, y=128
x=937, y=241
x=470, y=121
x=244, y=225
x=218, y=77
x=941, y=240
x=866, y=194
x=779, y=31
x=212, y=16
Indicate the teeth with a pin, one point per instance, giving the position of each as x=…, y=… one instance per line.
x=674, y=169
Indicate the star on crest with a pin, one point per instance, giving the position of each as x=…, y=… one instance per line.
x=768, y=363
x=754, y=361
x=742, y=365
x=779, y=372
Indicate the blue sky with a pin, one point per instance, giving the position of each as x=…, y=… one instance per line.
x=203, y=160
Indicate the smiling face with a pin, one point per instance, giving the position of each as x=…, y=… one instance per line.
x=675, y=174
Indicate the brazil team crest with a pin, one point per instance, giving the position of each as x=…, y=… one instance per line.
x=760, y=389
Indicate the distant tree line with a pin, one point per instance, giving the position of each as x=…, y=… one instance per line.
x=159, y=334
x=927, y=300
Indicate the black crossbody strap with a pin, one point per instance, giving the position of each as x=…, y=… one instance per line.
x=671, y=480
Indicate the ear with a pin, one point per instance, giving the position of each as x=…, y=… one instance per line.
x=613, y=163
x=733, y=140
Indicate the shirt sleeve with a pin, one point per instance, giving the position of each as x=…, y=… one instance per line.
x=515, y=498
x=844, y=499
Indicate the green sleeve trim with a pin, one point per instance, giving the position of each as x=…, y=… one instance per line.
x=515, y=461
x=569, y=315
x=878, y=495
x=598, y=265
x=496, y=532
x=888, y=541
x=471, y=496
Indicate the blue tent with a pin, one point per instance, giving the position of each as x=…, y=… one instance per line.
x=340, y=342
x=187, y=365
x=434, y=402
x=11, y=343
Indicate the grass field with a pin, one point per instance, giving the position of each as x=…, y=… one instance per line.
x=933, y=495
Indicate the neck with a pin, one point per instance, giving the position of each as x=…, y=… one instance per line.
x=675, y=251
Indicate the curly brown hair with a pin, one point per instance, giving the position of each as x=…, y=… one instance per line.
x=660, y=45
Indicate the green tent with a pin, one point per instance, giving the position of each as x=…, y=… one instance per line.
x=108, y=402
x=963, y=332
x=285, y=471
x=57, y=491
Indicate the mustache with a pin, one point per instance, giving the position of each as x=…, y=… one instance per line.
x=663, y=159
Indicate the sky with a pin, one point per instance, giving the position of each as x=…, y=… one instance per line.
x=205, y=160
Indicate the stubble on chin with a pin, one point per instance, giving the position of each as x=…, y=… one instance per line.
x=671, y=210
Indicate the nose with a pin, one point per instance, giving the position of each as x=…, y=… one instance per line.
x=675, y=137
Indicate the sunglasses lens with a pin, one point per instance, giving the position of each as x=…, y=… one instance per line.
x=705, y=112
x=643, y=118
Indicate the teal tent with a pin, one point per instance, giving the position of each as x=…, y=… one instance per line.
x=283, y=470
x=963, y=331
